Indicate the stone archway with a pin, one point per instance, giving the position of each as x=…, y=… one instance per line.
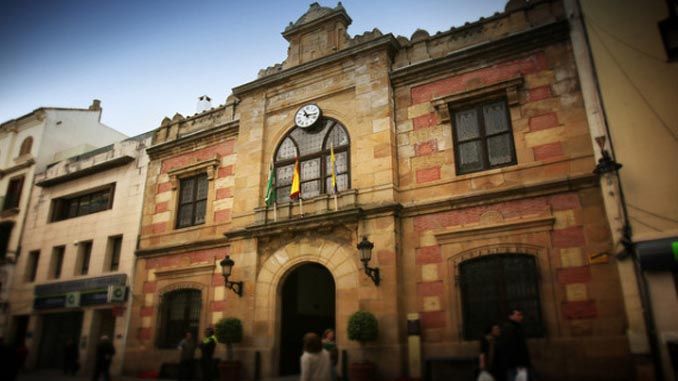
x=339, y=260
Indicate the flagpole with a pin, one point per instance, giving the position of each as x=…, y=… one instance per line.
x=275, y=211
x=336, y=206
x=301, y=207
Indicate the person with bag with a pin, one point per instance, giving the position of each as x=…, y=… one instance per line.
x=491, y=359
x=514, y=347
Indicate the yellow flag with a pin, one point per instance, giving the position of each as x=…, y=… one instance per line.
x=333, y=169
x=295, y=190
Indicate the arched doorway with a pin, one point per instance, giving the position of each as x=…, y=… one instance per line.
x=308, y=305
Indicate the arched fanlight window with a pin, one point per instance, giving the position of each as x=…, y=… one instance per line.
x=26, y=146
x=312, y=147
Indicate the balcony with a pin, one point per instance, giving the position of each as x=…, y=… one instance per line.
x=95, y=161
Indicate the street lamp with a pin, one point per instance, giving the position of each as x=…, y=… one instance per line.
x=365, y=249
x=226, y=269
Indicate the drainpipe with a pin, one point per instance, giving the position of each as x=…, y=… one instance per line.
x=608, y=170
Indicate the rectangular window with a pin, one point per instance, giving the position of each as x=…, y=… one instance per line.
x=483, y=137
x=82, y=204
x=113, y=250
x=57, y=261
x=5, y=233
x=32, y=266
x=192, y=201
x=13, y=193
x=84, y=255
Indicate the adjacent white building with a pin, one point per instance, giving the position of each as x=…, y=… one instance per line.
x=28, y=144
x=73, y=280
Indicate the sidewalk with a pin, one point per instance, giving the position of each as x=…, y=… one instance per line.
x=56, y=375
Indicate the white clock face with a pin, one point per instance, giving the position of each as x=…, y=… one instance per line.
x=307, y=116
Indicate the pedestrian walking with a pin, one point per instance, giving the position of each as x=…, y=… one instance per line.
x=330, y=346
x=187, y=354
x=490, y=359
x=71, y=358
x=207, y=354
x=104, y=357
x=315, y=361
x=514, y=347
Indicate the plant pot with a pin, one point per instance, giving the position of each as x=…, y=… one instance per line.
x=362, y=371
x=229, y=371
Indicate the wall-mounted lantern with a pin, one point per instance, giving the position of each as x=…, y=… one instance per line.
x=226, y=269
x=365, y=249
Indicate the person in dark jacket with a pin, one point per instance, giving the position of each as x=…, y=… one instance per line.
x=70, y=358
x=491, y=359
x=207, y=354
x=187, y=353
x=104, y=357
x=516, y=356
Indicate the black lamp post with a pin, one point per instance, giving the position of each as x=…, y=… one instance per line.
x=365, y=248
x=226, y=269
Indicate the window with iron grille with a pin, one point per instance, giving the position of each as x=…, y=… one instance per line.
x=92, y=201
x=179, y=313
x=192, y=201
x=483, y=138
x=313, y=148
x=492, y=286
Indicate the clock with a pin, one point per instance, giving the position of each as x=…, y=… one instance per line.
x=307, y=115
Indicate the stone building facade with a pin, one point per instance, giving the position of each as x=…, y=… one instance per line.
x=464, y=157
x=72, y=282
x=28, y=144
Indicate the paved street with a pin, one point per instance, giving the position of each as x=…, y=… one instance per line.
x=53, y=375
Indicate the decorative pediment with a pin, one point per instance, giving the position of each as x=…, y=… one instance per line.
x=509, y=88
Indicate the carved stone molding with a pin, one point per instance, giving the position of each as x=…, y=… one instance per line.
x=509, y=88
x=505, y=248
x=521, y=226
x=179, y=272
x=209, y=166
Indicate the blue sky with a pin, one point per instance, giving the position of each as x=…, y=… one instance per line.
x=147, y=59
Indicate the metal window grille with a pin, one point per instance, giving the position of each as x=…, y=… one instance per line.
x=180, y=313
x=493, y=285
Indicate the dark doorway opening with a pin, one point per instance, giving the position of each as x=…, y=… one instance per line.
x=308, y=305
x=20, y=328
x=56, y=330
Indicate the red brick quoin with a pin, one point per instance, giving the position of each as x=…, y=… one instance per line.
x=222, y=149
x=481, y=77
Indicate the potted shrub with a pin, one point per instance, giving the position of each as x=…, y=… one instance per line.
x=362, y=327
x=229, y=331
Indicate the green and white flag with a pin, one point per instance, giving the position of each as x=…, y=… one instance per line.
x=270, y=187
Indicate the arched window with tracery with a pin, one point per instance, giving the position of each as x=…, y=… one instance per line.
x=312, y=147
x=26, y=146
x=179, y=313
x=493, y=285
